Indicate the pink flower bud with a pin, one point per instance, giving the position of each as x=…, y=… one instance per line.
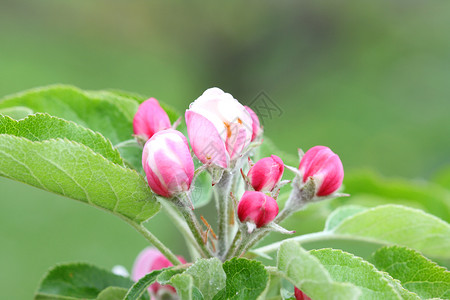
x=150, y=259
x=256, y=126
x=149, y=119
x=257, y=208
x=299, y=295
x=325, y=167
x=266, y=173
x=168, y=163
x=219, y=127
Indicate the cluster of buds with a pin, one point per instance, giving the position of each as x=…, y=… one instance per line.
x=222, y=134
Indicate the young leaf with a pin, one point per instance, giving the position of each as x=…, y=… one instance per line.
x=16, y=112
x=75, y=171
x=186, y=290
x=208, y=276
x=340, y=214
x=112, y=293
x=345, y=267
x=101, y=111
x=246, y=279
x=394, y=224
x=415, y=272
x=306, y=272
x=139, y=288
x=171, y=112
x=370, y=189
x=78, y=281
x=42, y=127
x=168, y=273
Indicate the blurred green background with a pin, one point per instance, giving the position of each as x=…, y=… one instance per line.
x=371, y=80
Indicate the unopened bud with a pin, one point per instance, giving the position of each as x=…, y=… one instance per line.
x=266, y=173
x=168, y=163
x=257, y=208
x=299, y=295
x=150, y=259
x=324, y=167
x=149, y=119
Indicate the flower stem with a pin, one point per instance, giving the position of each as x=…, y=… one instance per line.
x=222, y=191
x=194, y=226
x=182, y=226
x=231, y=251
x=155, y=242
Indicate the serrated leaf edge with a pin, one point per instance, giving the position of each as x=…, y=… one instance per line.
x=95, y=133
x=95, y=154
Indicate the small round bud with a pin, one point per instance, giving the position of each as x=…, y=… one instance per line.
x=168, y=163
x=150, y=259
x=325, y=167
x=266, y=173
x=149, y=119
x=299, y=295
x=257, y=208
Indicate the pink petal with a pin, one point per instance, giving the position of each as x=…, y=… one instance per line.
x=206, y=142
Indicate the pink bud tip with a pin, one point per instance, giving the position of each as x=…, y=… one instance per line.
x=150, y=259
x=266, y=173
x=150, y=118
x=256, y=126
x=325, y=167
x=168, y=163
x=258, y=208
x=299, y=295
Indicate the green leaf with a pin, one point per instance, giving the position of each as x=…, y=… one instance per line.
x=171, y=112
x=16, y=112
x=369, y=189
x=167, y=274
x=42, y=127
x=78, y=281
x=102, y=111
x=184, y=285
x=112, y=293
x=246, y=279
x=340, y=214
x=208, y=276
x=75, y=171
x=139, y=288
x=415, y=272
x=306, y=272
x=394, y=224
x=345, y=267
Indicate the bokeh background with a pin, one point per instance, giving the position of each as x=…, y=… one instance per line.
x=369, y=79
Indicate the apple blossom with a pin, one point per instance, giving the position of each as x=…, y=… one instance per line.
x=150, y=259
x=256, y=126
x=219, y=128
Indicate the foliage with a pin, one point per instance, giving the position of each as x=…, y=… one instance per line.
x=71, y=145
